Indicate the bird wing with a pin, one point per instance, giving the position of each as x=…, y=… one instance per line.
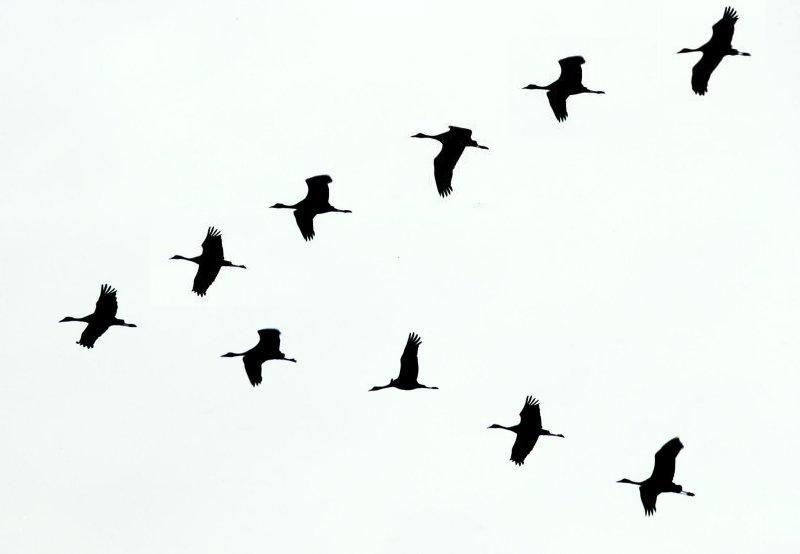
x=305, y=222
x=571, y=71
x=269, y=341
x=444, y=163
x=702, y=70
x=207, y=272
x=664, y=467
x=530, y=417
x=409, y=362
x=92, y=332
x=106, y=306
x=253, y=369
x=722, y=30
x=522, y=447
x=318, y=191
x=558, y=102
x=212, y=245
x=648, y=496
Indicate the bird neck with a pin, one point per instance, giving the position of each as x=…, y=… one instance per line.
x=629, y=482
x=379, y=387
x=279, y=205
x=70, y=318
x=179, y=257
x=497, y=426
x=233, y=354
x=535, y=87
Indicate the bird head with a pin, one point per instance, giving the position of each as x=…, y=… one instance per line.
x=229, y=355
x=419, y=135
x=685, y=50
x=68, y=318
x=279, y=205
x=626, y=481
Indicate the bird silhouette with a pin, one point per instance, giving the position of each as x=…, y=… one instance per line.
x=209, y=262
x=103, y=317
x=717, y=47
x=661, y=478
x=315, y=203
x=268, y=348
x=409, y=368
x=567, y=84
x=528, y=431
x=454, y=141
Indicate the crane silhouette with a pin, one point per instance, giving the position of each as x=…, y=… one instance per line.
x=209, y=262
x=570, y=82
x=103, y=317
x=718, y=46
x=315, y=203
x=453, y=141
x=409, y=368
x=268, y=348
x=661, y=478
x=528, y=431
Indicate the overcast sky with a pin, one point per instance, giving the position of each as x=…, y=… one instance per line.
x=635, y=268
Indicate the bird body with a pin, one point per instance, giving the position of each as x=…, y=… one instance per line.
x=209, y=262
x=717, y=47
x=528, y=430
x=315, y=203
x=103, y=317
x=408, y=378
x=454, y=142
x=268, y=348
x=661, y=478
x=569, y=83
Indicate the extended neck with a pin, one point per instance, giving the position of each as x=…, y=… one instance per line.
x=513, y=429
x=629, y=482
x=70, y=318
x=179, y=257
x=233, y=354
x=381, y=387
x=284, y=206
x=534, y=87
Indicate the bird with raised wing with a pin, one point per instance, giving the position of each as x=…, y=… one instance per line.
x=103, y=317
x=528, y=431
x=268, y=348
x=209, y=262
x=569, y=83
x=717, y=47
x=453, y=141
x=661, y=478
x=315, y=203
x=409, y=368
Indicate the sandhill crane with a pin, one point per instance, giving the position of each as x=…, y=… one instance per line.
x=528, y=431
x=268, y=348
x=104, y=316
x=315, y=203
x=209, y=262
x=454, y=141
x=718, y=46
x=409, y=368
x=567, y=84
x=661, y=478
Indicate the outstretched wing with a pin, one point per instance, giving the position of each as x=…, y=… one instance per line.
x=318, y=192
x=522, y=447
x=305, y=222
x=92, y=332
x=664, y=468
x=648, y=496
x=722, y=30
x=571, y=71
x=409, y=362
x=253, y=369
x=212, y=245
x=206, y=274
x=558, y=103
x=106, y=307
x=443, y=165
x=530, y=417
x=701, y=72
x=269, y=340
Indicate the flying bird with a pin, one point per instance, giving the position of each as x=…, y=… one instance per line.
x=104, y=316
x=528, y=431
x=268, y=348
x=567, y=84
x=454, y=141
x=409, y=368
x=209, y=262
x=717, y=47
x=661, y=479
x=315, y=203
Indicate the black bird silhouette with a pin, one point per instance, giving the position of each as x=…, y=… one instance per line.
x=453, y=142
x=409, y=368
x=268, y=348
x=661, y=479
x=718, y=46
x=315, y=203
x=567, y=84
x=209, y=262
x=528, y=431
x=104, y=316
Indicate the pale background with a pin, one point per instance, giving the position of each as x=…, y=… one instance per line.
x=635, y=268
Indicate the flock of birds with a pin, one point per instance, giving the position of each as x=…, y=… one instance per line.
x=453, y=143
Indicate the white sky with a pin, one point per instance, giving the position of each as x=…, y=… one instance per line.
x=635, y=268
